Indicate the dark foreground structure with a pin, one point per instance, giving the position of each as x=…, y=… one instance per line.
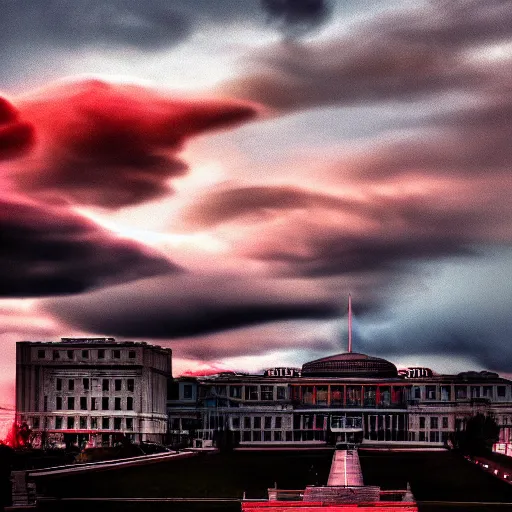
x=438, y=480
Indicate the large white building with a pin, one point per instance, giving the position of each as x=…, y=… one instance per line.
x=92, y=390
x=347, y=397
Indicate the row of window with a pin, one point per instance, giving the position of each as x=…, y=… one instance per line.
x=247, y=392
x=92, y=403
x=434, y=436
x=434, y=422
x=350, y=396
x=94, y=384
x=85, y=354
x=104, y=423
x=461, y=392
x=257, y=422
x=266, y=435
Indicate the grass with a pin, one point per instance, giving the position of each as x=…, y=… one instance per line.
x=433, y=476
x=207, y=475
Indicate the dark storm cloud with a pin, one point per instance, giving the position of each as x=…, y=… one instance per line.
x=34, y=26
x=465, y=316
x=188, y=305
x=46, y=252
x=296, y=17
x=113, y=145
x=400, y=55
x=256, y=340
x=310, y=233
x=464, y=144
x=256, y=202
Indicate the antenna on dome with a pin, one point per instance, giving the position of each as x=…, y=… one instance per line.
x=349, y=323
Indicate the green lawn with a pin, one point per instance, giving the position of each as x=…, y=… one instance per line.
x=433, y=476
x=207, y=475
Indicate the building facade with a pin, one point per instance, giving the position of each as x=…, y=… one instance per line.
x=344, y=398
x=92, y=390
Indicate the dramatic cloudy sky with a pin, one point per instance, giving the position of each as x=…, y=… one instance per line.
x=217, y=176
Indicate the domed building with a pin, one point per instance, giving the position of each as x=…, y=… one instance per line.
x=343, y=398
x=350, y=364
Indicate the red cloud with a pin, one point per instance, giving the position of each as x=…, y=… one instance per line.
x=203, y=372
x=114, y=145
x=16, y=136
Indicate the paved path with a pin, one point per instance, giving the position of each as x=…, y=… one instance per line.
x=345, y=469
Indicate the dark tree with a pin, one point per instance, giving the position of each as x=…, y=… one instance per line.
x=480, y=434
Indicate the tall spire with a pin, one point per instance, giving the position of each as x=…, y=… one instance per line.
x=349, y=323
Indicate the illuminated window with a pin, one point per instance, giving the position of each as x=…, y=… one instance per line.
x=321, y=395
x=336, y=395
x=307, y=395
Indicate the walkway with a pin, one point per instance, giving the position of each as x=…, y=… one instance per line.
x=345, y=469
